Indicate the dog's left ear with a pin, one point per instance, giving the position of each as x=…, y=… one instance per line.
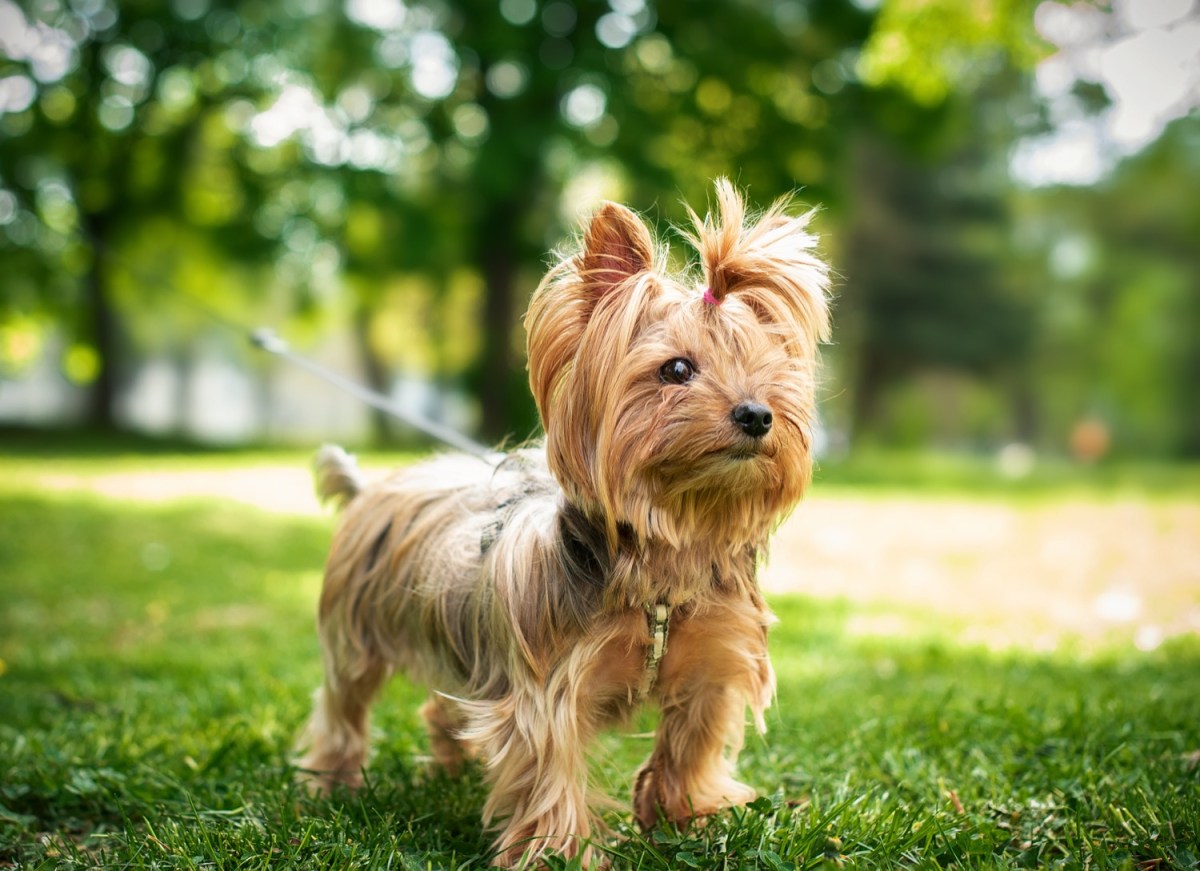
x=616, y=247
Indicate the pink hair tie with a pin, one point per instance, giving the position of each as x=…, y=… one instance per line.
x=709, y=298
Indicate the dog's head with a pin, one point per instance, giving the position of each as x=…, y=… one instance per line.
x=682, y=407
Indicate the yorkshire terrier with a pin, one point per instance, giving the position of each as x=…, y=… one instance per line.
x=549, y=594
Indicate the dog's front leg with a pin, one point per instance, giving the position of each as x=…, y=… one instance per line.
x=716, y=666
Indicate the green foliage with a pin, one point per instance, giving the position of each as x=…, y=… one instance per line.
x=157, y=662
x=933, y=49
x=181, y=167
x=1120, y=319
x=923, y=293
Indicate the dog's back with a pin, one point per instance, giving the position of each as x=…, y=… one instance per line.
x=407, y=560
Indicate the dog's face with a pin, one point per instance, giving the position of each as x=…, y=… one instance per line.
x=681, y=409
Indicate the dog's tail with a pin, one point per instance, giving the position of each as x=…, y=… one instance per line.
x=337, y=476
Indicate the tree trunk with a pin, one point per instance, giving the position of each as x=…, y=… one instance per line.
x=1026, y=420
x=869, y=383
x=499, y=261
x=377, y=374
x=102, y=327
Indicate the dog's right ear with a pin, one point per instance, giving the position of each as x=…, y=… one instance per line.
x=616, y=247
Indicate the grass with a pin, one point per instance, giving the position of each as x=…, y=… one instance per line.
x=156, y=662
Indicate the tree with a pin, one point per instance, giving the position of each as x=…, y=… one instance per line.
x=925, y=282
x=930, y=279
x=375, y=151
x=1119, y=341
x=120, y=124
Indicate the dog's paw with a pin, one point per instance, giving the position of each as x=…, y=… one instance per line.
x=659, y=795
x=320, y=779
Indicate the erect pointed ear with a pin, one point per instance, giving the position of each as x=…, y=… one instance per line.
x=616, y=246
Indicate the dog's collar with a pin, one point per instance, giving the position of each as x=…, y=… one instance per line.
x=659, y=619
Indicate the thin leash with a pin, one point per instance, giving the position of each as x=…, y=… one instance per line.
x=266, y=339
x=269, y=341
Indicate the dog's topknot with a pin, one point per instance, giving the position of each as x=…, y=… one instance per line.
x=769, y=261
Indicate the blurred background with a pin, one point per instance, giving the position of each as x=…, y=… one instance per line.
x=993, y=585
x=1007, y=190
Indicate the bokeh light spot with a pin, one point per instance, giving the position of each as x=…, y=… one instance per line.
x=518, y=11
x=506, y=78
x=81, y=364
x=584, y=105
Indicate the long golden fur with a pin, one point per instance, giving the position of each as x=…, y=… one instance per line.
x=678, y=414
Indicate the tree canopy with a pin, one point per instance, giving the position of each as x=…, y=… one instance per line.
x=406, y=166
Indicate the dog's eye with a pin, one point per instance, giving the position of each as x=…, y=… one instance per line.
x=677, y=371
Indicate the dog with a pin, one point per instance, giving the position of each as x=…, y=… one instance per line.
x=547, y=595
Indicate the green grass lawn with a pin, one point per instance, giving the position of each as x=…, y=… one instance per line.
x=156, y=662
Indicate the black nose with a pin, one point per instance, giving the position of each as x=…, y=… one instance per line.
x=754, y=418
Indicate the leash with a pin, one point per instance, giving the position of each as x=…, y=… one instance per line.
x=266, y=339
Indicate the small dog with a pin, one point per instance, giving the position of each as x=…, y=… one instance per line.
x=548, y=595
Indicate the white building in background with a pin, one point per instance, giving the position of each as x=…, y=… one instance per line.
x=41, y=396
x=216, y=400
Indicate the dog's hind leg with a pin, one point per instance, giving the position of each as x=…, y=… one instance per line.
x=336, y=739
x=448, y=750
